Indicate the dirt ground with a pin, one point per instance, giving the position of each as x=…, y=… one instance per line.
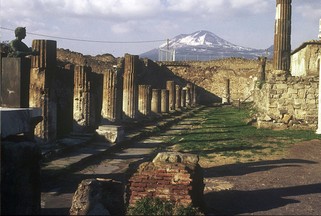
x=289, y=184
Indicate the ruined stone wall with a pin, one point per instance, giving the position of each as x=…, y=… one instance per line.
x=304, y=61
x=290, y=102
x=210, y=76
x=170, y=176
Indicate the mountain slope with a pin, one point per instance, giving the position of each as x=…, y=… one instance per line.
x=203, y=45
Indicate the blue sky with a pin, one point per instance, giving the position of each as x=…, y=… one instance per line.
x=248, y=23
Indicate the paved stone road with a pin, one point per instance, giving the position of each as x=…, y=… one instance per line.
x=57, y=191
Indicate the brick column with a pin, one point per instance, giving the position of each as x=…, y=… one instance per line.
x=144, y=100
x=178, y=94
x=282, y=35
x=130, y=88
x=170, y=86
x=156, y=101
x=41, y=91
x=111, y=107
x=165, y=101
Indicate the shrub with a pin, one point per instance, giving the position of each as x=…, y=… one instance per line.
x=157, y=206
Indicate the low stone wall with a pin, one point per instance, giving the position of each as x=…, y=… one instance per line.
x=284, y=102
x=20, y=178
x=170, y=176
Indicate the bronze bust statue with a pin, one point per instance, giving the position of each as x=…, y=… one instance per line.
x=17, y=48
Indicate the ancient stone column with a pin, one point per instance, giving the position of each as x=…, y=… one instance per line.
x=178, y=93
x=262, y=64
x=156, y=101
x=188, y=96
x=84, y=110
x=282, y=35
x=192, y=99
x=165, y=101
x=319, y=105
x=226, y=93
x=130, y=88
x=170, y=86
x=111, y=107
x=144, y=100
x=41, y=91
x=183, y=96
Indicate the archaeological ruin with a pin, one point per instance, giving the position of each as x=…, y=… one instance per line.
x=59, y=92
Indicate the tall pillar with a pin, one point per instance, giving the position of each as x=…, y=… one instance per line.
x=282, y=35
x=192, y=94
x=41, y=91
x=319, y=105
x=111, y=107
x=84, y=109
x=156, y=101
x=178, y=93
x=165, y=101
x=188, y=96
x=226, y=93
x=170, y=86
x=144, y=100
x=130, y=88
x=183, y=96
x=262, y=65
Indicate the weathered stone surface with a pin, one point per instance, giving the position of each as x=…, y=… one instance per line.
x=156, y=101
x=112, y=96
x=176, y=157
x=170, y=86
x=282, y=35
x=20, y=178
x=98, y=197
x=144, y=99
x=164, y=101
x=130, y=87
x=112, y=133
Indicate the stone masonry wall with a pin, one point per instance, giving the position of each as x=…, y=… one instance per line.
x=290, y=102
x=211, y=76
x=171, y=176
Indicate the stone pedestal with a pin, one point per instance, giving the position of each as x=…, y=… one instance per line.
x=42, y=92
x=130, y=87
x=19, y=121
x=178, y=90
x=20, y=178
x=282, y=35
x=164, y=101
x=111, y=133
x=144, y=100
x=170, y=86
x=112, y=100
x=156, y=101
x=14, y=81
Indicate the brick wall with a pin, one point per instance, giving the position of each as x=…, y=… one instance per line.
x=173, y=180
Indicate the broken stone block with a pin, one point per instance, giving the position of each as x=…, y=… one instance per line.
x=98, y=197
x=112, y=133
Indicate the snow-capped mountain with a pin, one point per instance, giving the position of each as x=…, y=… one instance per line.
x=203, y=45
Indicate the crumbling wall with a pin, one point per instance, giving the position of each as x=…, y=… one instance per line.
x=289, y=102
x=304, y=60
x=170, y=176
x=210, y=76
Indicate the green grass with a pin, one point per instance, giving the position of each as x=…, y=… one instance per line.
x=223, y=131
